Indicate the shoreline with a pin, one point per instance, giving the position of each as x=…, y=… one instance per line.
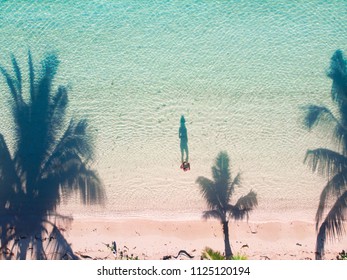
x=153, y=240
x=178, y=219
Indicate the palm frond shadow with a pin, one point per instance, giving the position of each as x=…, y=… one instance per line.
x=49, y=160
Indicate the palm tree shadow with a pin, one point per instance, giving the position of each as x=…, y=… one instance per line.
x=218, y=193
x=330, y=223
x=48, y=161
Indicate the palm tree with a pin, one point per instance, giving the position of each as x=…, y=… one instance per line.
x=331, y=164
x=49, y=159
x=218, y=193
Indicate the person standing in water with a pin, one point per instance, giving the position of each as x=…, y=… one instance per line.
x=182, y=134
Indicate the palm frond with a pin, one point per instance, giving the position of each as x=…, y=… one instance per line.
x=248, y=201
x=59, y=246
x=315, y=115
x=338, y=73
x=49, y=69
x=75, y=143
x=334, y=221
x=325, y=161
x=214, y=214
x=9, y=180
x=19, y=108
x=11, y=83
x=333, y=225
x=340, y=135
x=58, y=109
x=31, y=77
x=40, y=108
x=243, y=206
x=236, y=182
x=56, y=117
x=221, y=177
x=236, y=213
x=90, y=186
x=221, y=170
x=8, y=187
x=18, y=74
x=334, y=188
x=72, y=176
x=207, y=189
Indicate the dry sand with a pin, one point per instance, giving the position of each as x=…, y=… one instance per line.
x=152, y=240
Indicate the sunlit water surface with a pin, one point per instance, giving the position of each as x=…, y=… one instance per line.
x=239, y=71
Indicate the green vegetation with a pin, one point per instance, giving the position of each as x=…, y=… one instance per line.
x=342, y=256
x=124, y=255
x=210, y=254
x=218, y=193
x=239, y=256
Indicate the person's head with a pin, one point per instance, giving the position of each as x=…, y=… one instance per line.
x=183, y=120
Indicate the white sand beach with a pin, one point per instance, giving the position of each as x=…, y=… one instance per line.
x=152, y=240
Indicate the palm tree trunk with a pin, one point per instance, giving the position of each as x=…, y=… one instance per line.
x=228, y=252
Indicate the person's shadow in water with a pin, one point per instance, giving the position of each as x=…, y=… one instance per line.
x=183, y=135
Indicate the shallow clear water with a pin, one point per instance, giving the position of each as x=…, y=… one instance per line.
x=238, y=70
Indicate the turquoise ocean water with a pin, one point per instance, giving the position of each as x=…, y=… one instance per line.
x=238, y=70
